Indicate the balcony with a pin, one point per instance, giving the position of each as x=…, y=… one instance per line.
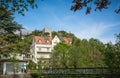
x=43, y=45
x=17, y=57
x=47, y=56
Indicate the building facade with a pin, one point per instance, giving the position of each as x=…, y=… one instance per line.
x=9, y=66
x=42, y=46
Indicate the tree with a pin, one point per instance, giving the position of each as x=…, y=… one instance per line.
x=117, y=49
x=76, y=41
x=16, y=66
x=8, y=42
x=54, y=33
x=7, y=25
x=96, y=55
x=91, y=53
x=37, y=33
x=22, y=5
x=112, y=53
x=118, y=41
x=24, y=45
x=17, y=5
x=7, y=28
x=31, y=65
x=59, y=56
x=43, y=64
x=46, y=34
x=74, y=57
x=82, y=53
x=75, y=54
x=99, y=5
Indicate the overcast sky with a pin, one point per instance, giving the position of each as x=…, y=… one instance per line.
x=56, y=14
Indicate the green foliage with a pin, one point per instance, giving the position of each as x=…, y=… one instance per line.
x=76, y=42
x=46, y=34
x=37, y=33
x=95, y=49
x=18, y=5
x=15, y=63
x=36, y=74
x=82, y=53
x=31, y=65
x=24, y=44
x=8, y=43
x=54, y=33
x=112, y=53
x=89, y=52
x=63, y=33
x=118, y=41
x=59, y=55
x=74, y=57
x=43, y=64
x=6, y=21
x=98, y=5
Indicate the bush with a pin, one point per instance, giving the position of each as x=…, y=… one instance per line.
x=36, y=74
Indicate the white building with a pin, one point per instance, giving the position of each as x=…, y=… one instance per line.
x=7, y=66
x=42, y=46
x=47, y=30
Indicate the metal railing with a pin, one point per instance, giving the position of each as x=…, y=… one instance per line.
x=81, y=72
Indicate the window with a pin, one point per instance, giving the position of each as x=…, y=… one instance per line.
x=48, y=49
x=32, y=56
x=47, y=42
x=39, y=48
x=55, y=42
x=40, y=42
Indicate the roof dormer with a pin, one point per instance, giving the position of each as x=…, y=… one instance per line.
x=39, y=42
x=47, y=42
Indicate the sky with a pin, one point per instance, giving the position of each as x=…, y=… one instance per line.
x=56, y=15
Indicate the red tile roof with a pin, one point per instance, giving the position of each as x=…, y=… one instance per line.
x=67, y=40
x=43, y=41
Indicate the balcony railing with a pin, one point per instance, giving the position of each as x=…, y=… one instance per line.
x=18, y=58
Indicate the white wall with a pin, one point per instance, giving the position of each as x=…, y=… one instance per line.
x=55, y=41
x=43, y=50
x=8, y=68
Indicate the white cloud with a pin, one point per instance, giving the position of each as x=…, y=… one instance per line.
x=96, y=30
x=61, y=18
x=84, y=28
